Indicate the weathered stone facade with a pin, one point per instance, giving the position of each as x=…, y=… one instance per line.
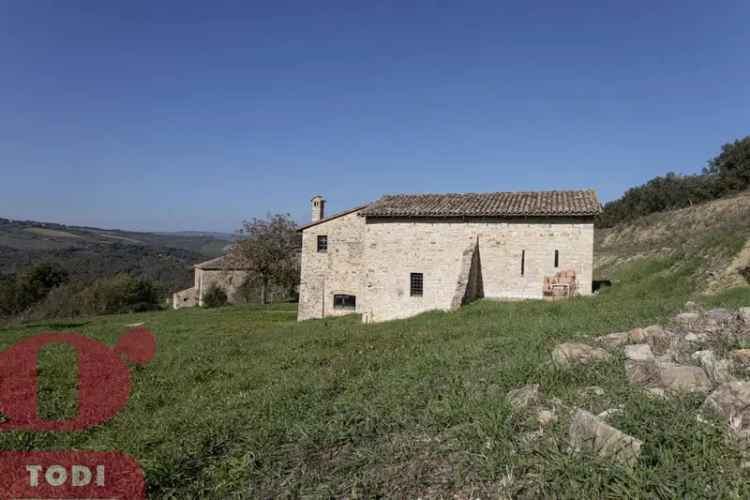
x=337, y=271
x=459, y=258
x=227, y=280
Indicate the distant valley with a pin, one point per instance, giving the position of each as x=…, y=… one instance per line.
x=89, y=252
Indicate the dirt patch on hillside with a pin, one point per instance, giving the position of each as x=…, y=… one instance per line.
x=716, y=234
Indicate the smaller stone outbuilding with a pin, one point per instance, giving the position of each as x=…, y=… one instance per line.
x=222, y=272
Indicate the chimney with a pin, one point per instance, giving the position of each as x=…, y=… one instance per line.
x=318, y=208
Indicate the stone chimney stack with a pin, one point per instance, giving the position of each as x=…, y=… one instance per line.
x=318, y=208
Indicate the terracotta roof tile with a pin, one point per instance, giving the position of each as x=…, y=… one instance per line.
x=517, y=204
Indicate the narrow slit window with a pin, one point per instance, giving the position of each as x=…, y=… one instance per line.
x=523, y=262
x=557, y=258
x=417, y=284
x=322, y=243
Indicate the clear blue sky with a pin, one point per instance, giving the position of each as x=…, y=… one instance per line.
x=181, y=115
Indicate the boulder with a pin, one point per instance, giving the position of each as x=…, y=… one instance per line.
x=687, y=318
x=682, y=378
x=720, y=314
x=637, y=335
x=590, y=433
x=744, y=314
x=639, y=352
x=656, y=392
x=523, y=397
x=691, y=306
x=641, y=372
x=614, y=340
x=731, y=401
x=572, y=353
x=718, y=370
x=741, y=356
x=696, y=338
x=658, y=338
x=546, y=417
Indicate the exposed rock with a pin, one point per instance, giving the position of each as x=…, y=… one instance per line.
x=658, y=338
x=691, y=306
x=731, y=401
x=591, y=391
x=523, y=397
x=571, y=353
x=614, y=339
x=639, y=352
x=680, y=378
x=641, y=372
x=687, y=318
x=719, y=314
x=637, y=335
x=606, y=414
x=697, y=338
x=546, y=417
x=741, y=356
x=656, y=392
x=588, y=432
x=718, y=370
x=529, y=438
x=745, y=315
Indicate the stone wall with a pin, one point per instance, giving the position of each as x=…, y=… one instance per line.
x=339, y=270
x=185, y=298
x=229, y=281
x=440, y=249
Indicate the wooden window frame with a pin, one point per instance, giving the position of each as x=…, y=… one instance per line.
x=322, y=243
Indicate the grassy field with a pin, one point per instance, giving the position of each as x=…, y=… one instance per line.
x=243, y=402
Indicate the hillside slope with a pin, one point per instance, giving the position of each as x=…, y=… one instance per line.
x=88, y=253
x=711, y=241
x=33, y=235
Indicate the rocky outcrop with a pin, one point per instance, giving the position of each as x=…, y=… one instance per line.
x=569, y=354
x=523, y=397
x=731, y=402
x=592, y=434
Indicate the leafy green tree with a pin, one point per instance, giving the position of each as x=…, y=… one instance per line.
x=270, y=249
x=732, y=166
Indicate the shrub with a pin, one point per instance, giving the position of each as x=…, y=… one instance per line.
x=215, y=296
x=19, y=293
x=119, y=294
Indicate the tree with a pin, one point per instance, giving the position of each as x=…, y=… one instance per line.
x=732, y=166
x=270, y=249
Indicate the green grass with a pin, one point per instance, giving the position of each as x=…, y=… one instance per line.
x=244, y=402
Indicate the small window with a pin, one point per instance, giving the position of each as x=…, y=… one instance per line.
x=344, y=301
x=557, y=258
x=322, y=243
x=417, y=284
x=523, y=262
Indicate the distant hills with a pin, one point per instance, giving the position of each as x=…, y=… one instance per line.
x=90, y=252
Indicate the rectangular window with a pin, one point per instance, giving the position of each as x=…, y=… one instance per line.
x=343, y=301
x=322, y=243
x=523, y=262
x=417, y=284
x=557, y=258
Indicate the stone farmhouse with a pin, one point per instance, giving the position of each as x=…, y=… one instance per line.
x=221, y=272
x=409, y=253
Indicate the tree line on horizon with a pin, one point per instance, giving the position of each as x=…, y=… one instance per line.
x=725, y=175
